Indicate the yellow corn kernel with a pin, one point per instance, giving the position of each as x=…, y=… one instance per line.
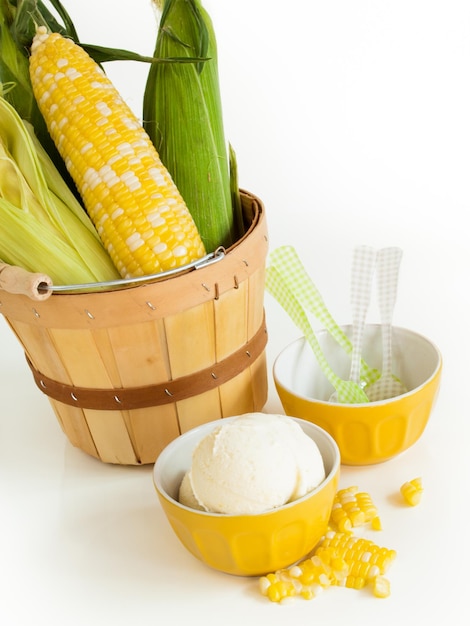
x=366, y=505
x=376, y=523
x=131, y=198
x=340, y=519
x=355, y=582
x=308, y=593
x=412, y=491
x=381, y=587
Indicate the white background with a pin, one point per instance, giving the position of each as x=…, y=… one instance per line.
x=351, y=121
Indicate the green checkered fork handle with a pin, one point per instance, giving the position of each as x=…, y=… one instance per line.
x=349, y=392
x=290, y=268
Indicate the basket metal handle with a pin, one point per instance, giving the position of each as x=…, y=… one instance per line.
x=39, y=286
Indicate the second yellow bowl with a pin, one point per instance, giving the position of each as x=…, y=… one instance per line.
x=371, y=432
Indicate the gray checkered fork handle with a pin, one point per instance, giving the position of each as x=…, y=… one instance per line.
x=361, y=287
x=388, y=266
x=362, y=273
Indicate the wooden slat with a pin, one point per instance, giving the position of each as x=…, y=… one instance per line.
x=191, y=347
x=111, y=436
x=152, y=430
x=231, y=311
x=75, y=427
x=41, y=350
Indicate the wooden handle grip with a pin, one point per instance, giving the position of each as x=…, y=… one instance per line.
x=18, y=280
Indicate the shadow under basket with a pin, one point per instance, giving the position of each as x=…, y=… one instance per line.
x=127, y=371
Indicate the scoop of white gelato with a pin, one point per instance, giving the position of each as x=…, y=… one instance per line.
x=251, y=464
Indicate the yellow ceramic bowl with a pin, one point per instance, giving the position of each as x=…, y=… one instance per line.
x=246, y=545
x=371, y=432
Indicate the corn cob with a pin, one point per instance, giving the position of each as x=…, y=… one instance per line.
x=183, y=116
x=128, y=193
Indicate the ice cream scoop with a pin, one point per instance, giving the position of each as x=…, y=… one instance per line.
x=252, y=464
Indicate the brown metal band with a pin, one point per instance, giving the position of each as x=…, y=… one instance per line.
x=121, y=399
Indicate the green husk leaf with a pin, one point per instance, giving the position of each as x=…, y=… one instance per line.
x=16, y=31
x=235, y=190
x=42, y=226
x=102, y=54
x=183, y=115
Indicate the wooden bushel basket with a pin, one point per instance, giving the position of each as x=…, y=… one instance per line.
x=128, y=370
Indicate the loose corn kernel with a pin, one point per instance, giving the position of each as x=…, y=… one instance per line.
x=412, y=491
x=376, y=523
x=341, y=519
x=381, y=587
x=280, y=590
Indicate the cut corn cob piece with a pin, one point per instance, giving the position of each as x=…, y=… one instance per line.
x=412, y=491
x=183, y=115
x=340, y=559
x=128, y=193
x=352, y=508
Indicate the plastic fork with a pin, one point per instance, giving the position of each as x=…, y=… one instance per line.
x=361, y=287
x=288, y=264
x=348, y=391
x=362, y=272
x=388, y=265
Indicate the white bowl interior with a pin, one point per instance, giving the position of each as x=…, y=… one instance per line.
x=415, y=360
x=175, y=460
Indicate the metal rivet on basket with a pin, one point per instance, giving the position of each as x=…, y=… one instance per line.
x=168, y=393
x=151, y=306
x=36, y=313
x=117, y=399
x=43, y=384
x=248, y=353
x=214, y=376
x=74, y=397
x=205, y=286
x=235, y=281
x=90, y=315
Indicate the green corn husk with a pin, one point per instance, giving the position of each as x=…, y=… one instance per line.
x=16, y=31
x=235, y=191
x=43, y=228
x=182, y=113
